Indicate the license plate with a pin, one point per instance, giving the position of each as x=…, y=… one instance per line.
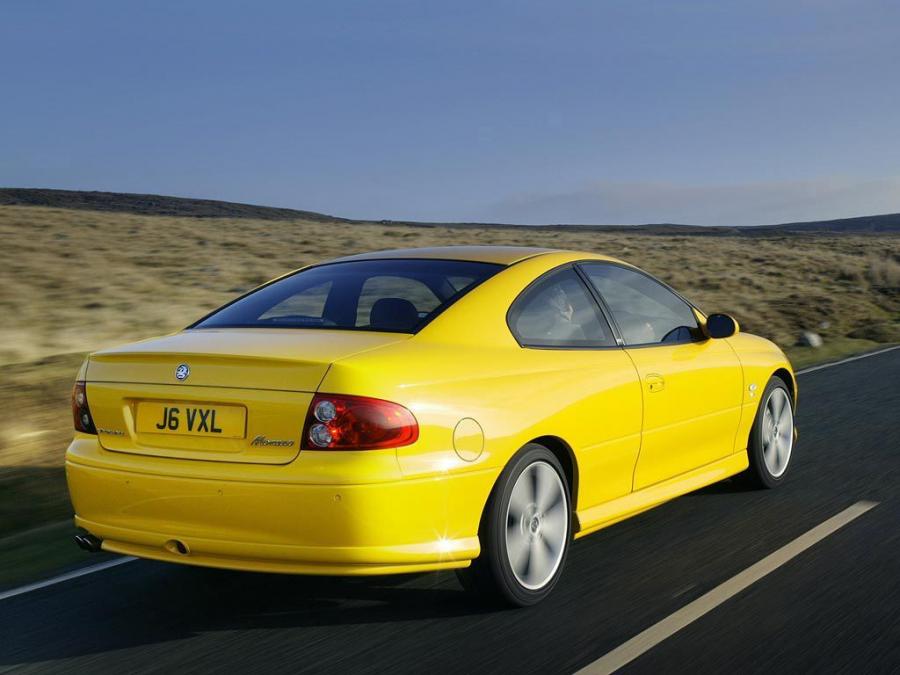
x=191, y=419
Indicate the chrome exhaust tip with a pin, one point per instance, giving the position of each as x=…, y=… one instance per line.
x=89, y=542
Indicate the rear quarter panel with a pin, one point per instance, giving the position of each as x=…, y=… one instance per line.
x=467, y=365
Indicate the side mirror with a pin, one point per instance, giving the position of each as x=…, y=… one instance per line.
x=721, y=326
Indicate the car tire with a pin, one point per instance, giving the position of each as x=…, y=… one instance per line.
x=525, y=531
x=771, y=441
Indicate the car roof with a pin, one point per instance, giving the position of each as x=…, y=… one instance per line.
x=503, y=255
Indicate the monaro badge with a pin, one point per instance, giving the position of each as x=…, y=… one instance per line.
x=262, y=441
x=182, y=372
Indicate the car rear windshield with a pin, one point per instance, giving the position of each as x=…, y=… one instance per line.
x=398, y=296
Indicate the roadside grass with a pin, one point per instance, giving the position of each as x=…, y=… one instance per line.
x=31, y=496
x=42, y=552
x=833, y=350
x=73, y=281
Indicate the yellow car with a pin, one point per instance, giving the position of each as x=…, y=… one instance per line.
x=470, y=408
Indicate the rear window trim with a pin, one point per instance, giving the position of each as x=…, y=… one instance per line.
x=498, y=267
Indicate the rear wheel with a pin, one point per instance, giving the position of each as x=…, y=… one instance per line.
x=525, y=530
x=771, y=437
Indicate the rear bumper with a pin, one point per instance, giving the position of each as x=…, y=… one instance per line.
x=406, y=525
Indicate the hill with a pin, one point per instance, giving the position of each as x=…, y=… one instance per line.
x=152, y=205
x=886, y=223
x=183, y=207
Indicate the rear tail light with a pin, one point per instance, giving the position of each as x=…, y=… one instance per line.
x=357, y=423
x=80, y=410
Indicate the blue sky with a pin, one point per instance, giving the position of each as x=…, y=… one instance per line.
x=516, y=111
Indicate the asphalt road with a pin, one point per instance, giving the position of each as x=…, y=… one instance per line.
x=834, y=608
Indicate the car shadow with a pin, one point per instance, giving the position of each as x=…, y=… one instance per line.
x=728, y=486
x=143, y=603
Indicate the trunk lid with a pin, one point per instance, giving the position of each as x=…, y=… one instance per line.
x=231, y=395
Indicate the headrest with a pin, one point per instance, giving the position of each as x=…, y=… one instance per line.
x=393, y=314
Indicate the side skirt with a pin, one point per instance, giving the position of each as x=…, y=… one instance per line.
x=603, y=515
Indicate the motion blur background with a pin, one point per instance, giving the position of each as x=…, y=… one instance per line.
x=521, y=112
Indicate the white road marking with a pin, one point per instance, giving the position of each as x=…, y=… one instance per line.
x=847, y=360
x=102, y=566
x=65, y=577
x=646, y=640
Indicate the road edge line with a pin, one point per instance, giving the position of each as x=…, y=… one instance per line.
x=647, y=639
x=74, y=574
x=849, y=359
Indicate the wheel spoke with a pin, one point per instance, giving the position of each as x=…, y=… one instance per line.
x=555, y=520
x=551, y=545
x=770, y=453
x=539, y=562
x=518, y=501
x=532, y=482
x=518, y=549
x=780, y=402
x=768, y=424
x=780, y=453
x=546, y=488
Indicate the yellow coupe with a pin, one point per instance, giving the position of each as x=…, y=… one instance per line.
x=470, y=408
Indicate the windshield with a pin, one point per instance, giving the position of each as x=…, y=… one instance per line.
x=398, y=296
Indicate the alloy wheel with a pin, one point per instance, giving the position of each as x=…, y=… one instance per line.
x=777, y=432
x=537, y=525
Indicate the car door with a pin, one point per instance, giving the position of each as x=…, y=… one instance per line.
x=691, y=385
x=589, y=383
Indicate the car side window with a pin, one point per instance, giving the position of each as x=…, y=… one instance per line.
x=645, y=311
x=558, y=311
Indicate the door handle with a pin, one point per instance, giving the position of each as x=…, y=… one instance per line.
x=655, y=382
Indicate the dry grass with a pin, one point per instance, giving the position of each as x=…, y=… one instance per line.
x=884, y=272
x=74, y=281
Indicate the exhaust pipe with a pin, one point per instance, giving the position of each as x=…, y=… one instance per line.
x=89, y=542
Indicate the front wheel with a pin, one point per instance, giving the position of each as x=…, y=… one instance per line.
x=525, y=530
x=772, y=436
